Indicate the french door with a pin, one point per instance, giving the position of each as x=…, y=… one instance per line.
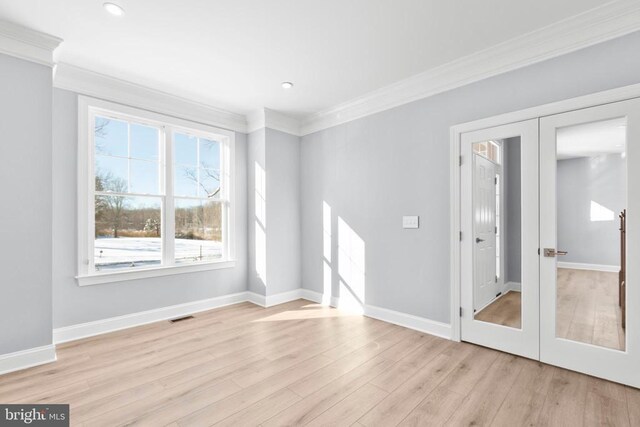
x=563, y=256
x=589, y=205
x=499, y=222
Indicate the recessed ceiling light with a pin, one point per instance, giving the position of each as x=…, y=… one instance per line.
x=113, y=9
x=287, y=85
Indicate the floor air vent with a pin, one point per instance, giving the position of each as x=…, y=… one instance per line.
x=180, y=319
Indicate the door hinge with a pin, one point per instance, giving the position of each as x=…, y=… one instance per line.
x=460, y=311
x=460, y=161
x=538, y=251
x=496, y=279
x=461, y=236
x=495, y=180
x=496, y=229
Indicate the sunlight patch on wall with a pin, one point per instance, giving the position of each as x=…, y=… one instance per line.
x=600, y=213
x=260, y=224
x=351, y=268
x=326, y=252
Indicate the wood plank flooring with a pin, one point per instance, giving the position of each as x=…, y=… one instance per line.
x=506, y=311
x=587, y=309
x=303, y=364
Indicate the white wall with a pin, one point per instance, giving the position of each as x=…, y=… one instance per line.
x=73, y=304
x=373, y=170
x=25, y=217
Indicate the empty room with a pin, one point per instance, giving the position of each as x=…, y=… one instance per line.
x=325, y=213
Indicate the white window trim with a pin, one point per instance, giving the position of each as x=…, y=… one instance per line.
x=86, y=107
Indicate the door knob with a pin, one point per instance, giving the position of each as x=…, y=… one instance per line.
x=551, y=252
x=478, y=240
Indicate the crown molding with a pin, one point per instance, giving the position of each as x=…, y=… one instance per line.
x=109, y=88
x=24, y=43
x=256, y=120
x=267, y=118
x=606, y=22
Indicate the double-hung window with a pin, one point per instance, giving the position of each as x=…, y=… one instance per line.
x=155, y=194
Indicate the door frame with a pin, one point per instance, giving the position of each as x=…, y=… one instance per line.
x=599, y=98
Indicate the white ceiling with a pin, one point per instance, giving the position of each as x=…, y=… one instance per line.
x=592, y=139
x=234, y=54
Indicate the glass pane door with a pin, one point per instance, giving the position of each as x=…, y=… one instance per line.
x=588, y=199
x=499, y=218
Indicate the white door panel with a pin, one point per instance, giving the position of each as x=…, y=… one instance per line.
x=478, y=260
x=484, y=219
x=557, y=347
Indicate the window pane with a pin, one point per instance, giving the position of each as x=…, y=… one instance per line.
x=144, y=142
x=186, y=181
x=185, y=149
x=209, y=154
x=209, y=183
x=111, y=137
x=198, y=230
x=127, y=232
x=144, y=177
x=111, y=174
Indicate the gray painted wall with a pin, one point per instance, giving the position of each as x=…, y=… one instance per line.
x=73, y=304
x=602, y=179
x=283, y=212
x=256, y=156
x=278, y=154
x=513, y=211
x=25, y=220
x=378, y=168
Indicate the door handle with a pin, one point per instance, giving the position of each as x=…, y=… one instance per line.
x=478, y=240
x=551, y=252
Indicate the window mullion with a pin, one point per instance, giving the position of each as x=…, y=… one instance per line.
x=168, y=236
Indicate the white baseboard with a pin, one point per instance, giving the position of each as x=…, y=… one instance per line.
x=281, y=298
x=594, y=267
x=27, y=358
x=312, y=296
x=410, y=321
x=256, y=299
x=513, y=286
x=112, y=324
x=98, y=327
x=334, y=302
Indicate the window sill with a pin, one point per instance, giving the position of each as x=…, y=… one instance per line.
x=121, y=276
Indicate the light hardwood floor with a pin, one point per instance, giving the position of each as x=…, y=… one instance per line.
x=587, y=309
x=506, y=311
x=302, y=364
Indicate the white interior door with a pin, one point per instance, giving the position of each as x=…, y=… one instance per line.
x=510, y=322
x=585, y=184
x=484, y=226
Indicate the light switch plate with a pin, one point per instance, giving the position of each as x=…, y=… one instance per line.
x=411, y=221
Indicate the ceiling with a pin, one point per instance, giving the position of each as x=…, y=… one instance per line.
x=233, y=54
x=592, y=139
